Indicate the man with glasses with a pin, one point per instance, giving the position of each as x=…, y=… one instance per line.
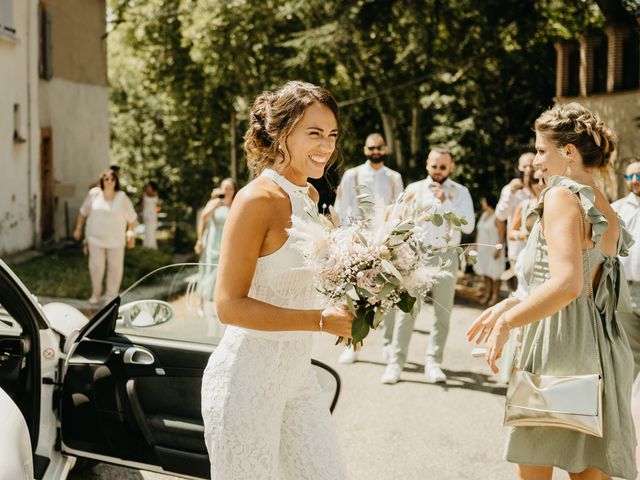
x=375, y=178
x=449, y=196
x=628, y=208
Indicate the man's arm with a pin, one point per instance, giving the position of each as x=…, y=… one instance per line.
x=502, y=208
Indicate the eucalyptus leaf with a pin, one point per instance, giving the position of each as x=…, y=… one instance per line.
x=359, y=327
x=351, y=292
x=406, y=302
x=377, y=318
x=388, y=266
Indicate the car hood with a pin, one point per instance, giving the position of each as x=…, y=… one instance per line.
x=64, y=318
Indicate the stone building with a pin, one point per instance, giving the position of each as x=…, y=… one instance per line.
x=601, y=70
x=54, y=123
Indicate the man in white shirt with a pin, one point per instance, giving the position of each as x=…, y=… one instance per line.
x=628, y=208
x=450, y=197
x=511, y=197
x=378, y=180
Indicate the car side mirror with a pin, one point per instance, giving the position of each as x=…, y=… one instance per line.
x=145, y=313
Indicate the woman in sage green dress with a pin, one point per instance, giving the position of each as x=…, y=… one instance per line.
x=210, y=226
x=574, y=244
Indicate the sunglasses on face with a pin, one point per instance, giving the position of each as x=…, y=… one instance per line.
x=633, y=176
x=438, y=167
x=108, y=179
x=376, y=147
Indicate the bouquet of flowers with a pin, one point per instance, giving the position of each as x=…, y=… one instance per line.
x=374, y=264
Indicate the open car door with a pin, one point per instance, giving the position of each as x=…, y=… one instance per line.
x=131, y=383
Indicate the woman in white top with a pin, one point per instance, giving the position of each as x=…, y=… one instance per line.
x=490, y=264
x=110, y=219
x=149, y=208
x=264, y=413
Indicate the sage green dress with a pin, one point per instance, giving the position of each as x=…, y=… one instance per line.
x=564, y=344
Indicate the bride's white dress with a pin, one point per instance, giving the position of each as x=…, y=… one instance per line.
x=264, y=412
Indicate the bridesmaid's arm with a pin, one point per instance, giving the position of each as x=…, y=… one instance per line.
x=563, y=234
x=249, y=222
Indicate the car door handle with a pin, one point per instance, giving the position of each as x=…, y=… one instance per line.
x=138, y=356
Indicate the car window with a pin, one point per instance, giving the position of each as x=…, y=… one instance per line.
x=174, y=302
x=9, y=327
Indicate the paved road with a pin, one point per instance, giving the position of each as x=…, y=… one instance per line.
x=411, y=430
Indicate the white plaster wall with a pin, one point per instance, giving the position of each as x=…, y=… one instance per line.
x=78, y=115
x=19, y=161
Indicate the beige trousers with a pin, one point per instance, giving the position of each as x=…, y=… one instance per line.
x=111, y=260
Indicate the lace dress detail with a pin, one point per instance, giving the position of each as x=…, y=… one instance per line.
x=264, y=412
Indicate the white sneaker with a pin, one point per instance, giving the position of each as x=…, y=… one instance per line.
x=391, y=374
x=433, y=372
x=348, y=356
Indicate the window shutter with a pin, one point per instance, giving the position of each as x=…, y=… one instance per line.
x=6, y=17
x=46, y=60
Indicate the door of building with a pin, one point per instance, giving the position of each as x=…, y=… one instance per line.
x=47, y=205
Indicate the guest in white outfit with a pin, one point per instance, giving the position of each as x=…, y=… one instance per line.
x=110, y=220
x=628, y=208
x=264, y=413
x=450, y=196
x=490, y=264
x=375, y=178
x=150, y=207
x=511, y=196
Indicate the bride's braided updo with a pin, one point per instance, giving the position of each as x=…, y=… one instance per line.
x=573, y=123
x=273, y=116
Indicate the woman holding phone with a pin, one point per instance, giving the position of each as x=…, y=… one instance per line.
x=210, y=225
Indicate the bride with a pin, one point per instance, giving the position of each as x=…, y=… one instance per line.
x=264, y=413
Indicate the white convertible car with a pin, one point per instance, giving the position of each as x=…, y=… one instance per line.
x=122, y=387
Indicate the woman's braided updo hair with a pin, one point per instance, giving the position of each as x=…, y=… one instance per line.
x=573, y=123
x=273, y=116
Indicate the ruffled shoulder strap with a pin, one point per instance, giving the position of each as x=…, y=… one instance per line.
x=626, y=239
x=587, y=198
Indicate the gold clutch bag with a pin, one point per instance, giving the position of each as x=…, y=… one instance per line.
x=573, y=402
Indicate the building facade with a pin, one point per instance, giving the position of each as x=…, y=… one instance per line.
x=601, y=70
x=19, y=126
x=54, y=123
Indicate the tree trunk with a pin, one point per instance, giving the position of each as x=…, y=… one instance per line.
x=414, y=159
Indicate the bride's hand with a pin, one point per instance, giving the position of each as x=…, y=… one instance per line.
x=481, y=328
x=337, y=321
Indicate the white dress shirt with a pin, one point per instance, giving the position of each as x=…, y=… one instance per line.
x=383, y=182
x=506, y=207
x=457, y=200
x=629, y=210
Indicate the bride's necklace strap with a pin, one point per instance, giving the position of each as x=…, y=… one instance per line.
x=285, y=184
